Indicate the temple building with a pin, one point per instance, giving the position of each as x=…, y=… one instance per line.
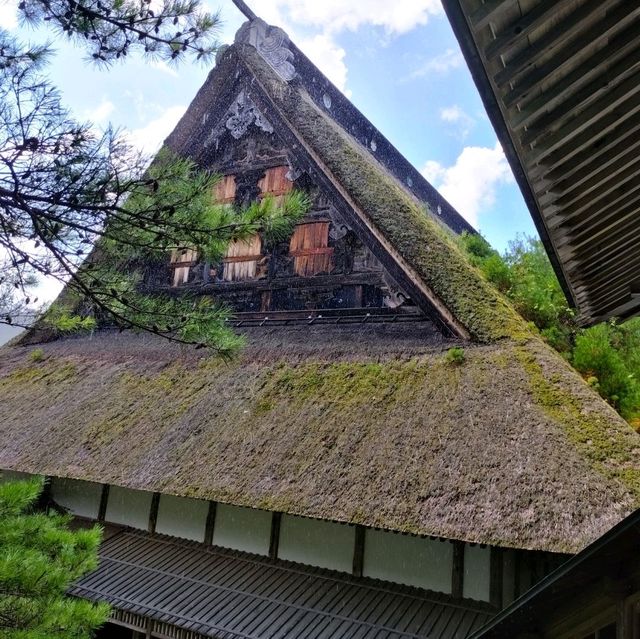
x=395, y=453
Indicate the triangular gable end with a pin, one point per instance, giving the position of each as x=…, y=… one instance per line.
x=235, y=128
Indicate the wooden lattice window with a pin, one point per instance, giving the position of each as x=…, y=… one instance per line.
x=224, y=191
x=181, y=262
x=241, y=259
x=275, y=182
x=310, y=249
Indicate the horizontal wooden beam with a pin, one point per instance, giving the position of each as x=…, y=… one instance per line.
x=515, y=32
x=561, y=33
x=489, y=11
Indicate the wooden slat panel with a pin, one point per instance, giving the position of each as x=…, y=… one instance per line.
x=241, y=259
x=310, y=249
x=275, y=182
x=225, y=190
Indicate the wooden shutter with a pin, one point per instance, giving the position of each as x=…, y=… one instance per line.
x=241, y=260
x=181, y=261
x=225, y=190
x=275, y=182
x=310, y=249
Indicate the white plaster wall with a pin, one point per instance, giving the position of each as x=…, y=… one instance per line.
x=128, y=507
x=476, y=583
x=82, y=498
x=182, y=517
x=14, y=475
x=317, y=543
x=404, y=559
x=242, y=529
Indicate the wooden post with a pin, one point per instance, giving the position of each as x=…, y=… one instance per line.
x=211, y=522
x=457, y=570
x=153, y=512
x=358, y=551
x=276, y=518
x=496, y=578
x=104, y=498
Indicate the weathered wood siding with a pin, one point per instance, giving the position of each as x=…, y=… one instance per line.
x=310, y=249
x=241, y=259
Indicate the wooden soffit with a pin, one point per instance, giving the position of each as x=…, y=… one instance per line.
x=561, y=82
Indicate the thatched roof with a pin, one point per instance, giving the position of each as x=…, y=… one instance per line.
x=368, y=425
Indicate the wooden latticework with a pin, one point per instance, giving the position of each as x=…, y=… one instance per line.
x=241, y=259
x=275, y=182
x=310, y=249
x=225, y=190
x=181, y=261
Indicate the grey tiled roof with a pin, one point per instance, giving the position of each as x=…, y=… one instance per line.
x=232, y=595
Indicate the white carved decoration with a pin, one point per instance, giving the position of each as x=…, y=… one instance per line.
x=238, y=118
x=272, y=43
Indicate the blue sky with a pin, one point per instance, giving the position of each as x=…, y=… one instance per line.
x=398, y=61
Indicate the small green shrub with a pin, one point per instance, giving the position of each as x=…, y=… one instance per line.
x=37, y=355
x=454, y=356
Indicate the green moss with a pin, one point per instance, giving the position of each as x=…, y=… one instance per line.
x=612, y=453
x=454, y=356
x=343, y=382
x=50, y=371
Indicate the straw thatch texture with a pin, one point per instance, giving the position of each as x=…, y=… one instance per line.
x=369, y=425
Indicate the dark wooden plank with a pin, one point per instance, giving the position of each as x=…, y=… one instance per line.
x=496, y=570
x=104, y=498
x=358, y=551
x=457, y=570
x=274, y=540
x=153, y=512
x=210, y=523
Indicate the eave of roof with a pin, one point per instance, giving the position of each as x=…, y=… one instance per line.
x=359, y=424
x=615, y=553
x=559, y=81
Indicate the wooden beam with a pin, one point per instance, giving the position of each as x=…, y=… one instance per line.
x=153, y=513
x=515, y=32
x=358, y=551
x=560, y=33
x=564, y=123
x=489, y=11
x=210, y=524
x=274, y=541
x=457, y=570
x=560, y=164
x=625, y=110
x=496, y=572
x=104, y=499
x=531, y=108
x=593, y=41
x=592, y=173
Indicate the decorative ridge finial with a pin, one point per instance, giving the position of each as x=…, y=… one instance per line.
x=272, y=43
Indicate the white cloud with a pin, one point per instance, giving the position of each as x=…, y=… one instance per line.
x=8, y=14
x=470, y=184
x=101, y=113
x=161, y=65
x=328, y=57
x=149, y=137
x=456, y=116
x=396, y=17
x=441, y=63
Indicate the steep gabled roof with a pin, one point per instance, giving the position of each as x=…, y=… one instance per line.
x=358, y=423
x=401, y=229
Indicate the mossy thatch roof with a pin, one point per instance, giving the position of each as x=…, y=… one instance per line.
x=367, y=425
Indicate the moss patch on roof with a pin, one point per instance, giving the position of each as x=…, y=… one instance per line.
x=425, y=244
x=404, y=441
